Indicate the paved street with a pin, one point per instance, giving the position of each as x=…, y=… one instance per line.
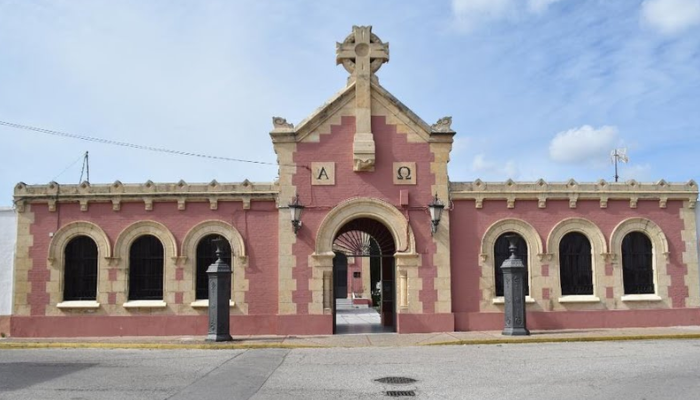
x=661, y=369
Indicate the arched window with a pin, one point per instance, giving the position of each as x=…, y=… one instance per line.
x=575, y=268
x=146, y=269
x=80, y=273
x=206, y=256
x=637, y=270
x=501, y=253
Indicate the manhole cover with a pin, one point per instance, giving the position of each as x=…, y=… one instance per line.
x=396, y=380
x=401, y=393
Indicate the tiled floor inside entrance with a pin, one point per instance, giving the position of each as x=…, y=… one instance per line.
x=359, y=320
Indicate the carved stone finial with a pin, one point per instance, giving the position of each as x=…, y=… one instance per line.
x=281, y=123
x=443, y=125
x=363, y=48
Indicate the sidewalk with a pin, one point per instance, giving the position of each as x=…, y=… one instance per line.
x=357, y=340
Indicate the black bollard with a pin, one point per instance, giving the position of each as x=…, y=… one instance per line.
x=514, y=292
x=219, y=294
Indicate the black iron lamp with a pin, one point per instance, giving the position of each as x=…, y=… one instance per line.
x=436, y=206
x=295, y=207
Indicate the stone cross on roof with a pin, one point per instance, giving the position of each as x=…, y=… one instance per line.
x=362, y=53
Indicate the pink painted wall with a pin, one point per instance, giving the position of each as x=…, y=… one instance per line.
x=257, y=226
x=319, y=200
x=469, y=224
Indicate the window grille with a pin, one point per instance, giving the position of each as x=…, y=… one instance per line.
x=501, y=253
x=575, y=267
x=637, y=270
x=80, y=279
x=206, y=256
x=146, y=269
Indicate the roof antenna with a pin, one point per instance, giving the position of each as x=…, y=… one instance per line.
x=86, y=169
x=617, y=155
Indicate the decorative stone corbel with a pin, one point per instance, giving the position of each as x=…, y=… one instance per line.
x=52, y=205
x=510, y=201
x=479, y=202
x=83, y=205
x=213, y=203
x=573, y=199
x=181, y=204
x=148, y=203
x=633, y=201
x=246, y=202
x=662, y=201
x=542, y=201
x=603, y=201
x=116, y=204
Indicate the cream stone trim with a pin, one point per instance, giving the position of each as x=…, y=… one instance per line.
x=598, y=256
x=56, y=257
x=205, y=303
x=502, y=300
x=239, y=283
x=690, y=255
x=660, y=253
x=487, y=284
x=579, y=299
x=78, y=304
x=145, y=304
x=641, y=297
x=406, y=259
x=121, y=254
x=575, y=192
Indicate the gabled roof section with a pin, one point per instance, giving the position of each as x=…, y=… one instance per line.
x=287, y=132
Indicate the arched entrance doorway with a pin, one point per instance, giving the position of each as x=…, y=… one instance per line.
x=364, y=295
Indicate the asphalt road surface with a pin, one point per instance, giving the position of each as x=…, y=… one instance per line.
x=659, y=369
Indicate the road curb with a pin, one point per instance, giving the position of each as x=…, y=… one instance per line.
x=244, y=346
x=529, y=339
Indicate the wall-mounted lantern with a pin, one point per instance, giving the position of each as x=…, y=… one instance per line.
x=295, y=207
x=435, y=208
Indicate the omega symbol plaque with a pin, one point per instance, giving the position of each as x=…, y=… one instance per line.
x=404, y=173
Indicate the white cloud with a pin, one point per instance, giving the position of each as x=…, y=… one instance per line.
x=671, y=16
x=539, y=6
x=583, y=145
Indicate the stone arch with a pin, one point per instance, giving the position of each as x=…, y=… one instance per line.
x=239, y=258
x=659, y=246
x=372, y=208
x=404, y=240
x=139, y=228
x=204, y=228
x=588, y=228
x=488, y=241
x=598, y=257
x=56, y=253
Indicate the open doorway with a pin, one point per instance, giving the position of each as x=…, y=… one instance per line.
x=363, y=278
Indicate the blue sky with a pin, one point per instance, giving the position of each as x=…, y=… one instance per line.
x=537, y=89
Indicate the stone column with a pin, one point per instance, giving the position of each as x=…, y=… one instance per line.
x=514, y=292
x=219, y=295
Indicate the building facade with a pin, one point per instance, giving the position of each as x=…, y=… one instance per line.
x=128, y=259
x=8, y=224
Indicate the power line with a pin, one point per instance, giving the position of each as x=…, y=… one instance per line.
x=130, y=145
